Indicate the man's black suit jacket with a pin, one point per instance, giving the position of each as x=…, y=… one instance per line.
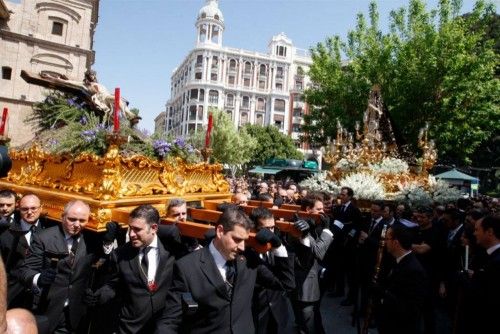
x=49, y=249
x=272, y=306
x=217, y=311
x=14, y=248
x=485, y=294
x=401, y=303
x=140, y=306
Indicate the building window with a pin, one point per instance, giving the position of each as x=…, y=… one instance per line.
x=213, y=97
x=261, y=104
x=203, y=33
x=194, y=94
x=213, y=76
x=279, y=72
x=231, y=80
x=248, y=67
x=244, y=118
x=230, y=114
x=262, y=84
x=57, y=28
x=232, y=65
x=281, y=51
x=230, y=100
x=259, y=119
x=245, y=102
x=279, y=86
x=192, y=113
x=200, y=113
x=279, y=105
x=262, y=69
x=202, y=95
x=246, y=82
x=298, y=85
x=198, y=75
x=215, y=34
x=199, y=61
x=6, y=72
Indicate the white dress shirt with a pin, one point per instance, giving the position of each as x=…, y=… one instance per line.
x=152, y=258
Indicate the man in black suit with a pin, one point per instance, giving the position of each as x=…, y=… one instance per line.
x=309, y=251
x=58, y=268
x=177, y=209
x=401, y=297
x=143, y=274
x=271, y=308
x=340, y=260
x=220, y=282
x=7, y=209
x=14, y=245
x=485, y=286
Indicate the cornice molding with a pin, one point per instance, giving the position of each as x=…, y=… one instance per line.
x=42, y=42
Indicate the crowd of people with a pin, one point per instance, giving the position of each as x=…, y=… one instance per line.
x=422, y=270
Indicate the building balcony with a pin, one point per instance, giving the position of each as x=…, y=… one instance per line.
x=297, y=120
x=198, y=65
x=231, y=70
x=229, y=104
x=245, y=107
x=298, y=105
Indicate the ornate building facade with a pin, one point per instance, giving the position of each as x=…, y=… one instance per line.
x=41, y=36
x=252, y=87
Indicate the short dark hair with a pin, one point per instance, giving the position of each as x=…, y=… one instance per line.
x=425, y=210
x=310, y=200
x=391, y=206
x=231, y=217
x=6, y=193
x=147, y=212
x=380, y=204
x=403, y=234
x=453, y=213
x=265, y=197
x=349, y=190
x=175, y=202
x=493, y=222
x=260, y=213
x=477, y=214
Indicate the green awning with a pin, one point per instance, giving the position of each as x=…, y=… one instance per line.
x=262, y=170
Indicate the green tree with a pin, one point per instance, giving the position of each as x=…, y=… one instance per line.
x=271, y=144
x=229, y=145
x=433, y=66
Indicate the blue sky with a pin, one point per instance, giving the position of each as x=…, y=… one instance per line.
x=138, y=43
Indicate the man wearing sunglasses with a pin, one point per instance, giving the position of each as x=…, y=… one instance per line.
x=14, y=245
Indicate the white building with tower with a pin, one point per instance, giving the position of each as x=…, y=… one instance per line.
x=252, y=87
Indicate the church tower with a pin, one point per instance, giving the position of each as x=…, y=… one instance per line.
x=210, y=24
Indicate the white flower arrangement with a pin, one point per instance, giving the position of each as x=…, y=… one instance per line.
x=415, y=195
x=319, y=182
x=442, y=192
x=365, y=186
x=390, y=165
x=345, y=165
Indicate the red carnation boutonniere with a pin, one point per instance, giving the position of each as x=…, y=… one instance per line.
x=152, y=286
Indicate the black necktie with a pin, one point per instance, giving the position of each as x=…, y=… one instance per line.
x=32, y=231
x=230, y=274
x=372, y=226
x=145, y=261
x=74, y=247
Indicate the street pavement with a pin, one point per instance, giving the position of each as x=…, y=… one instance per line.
x=336, y=318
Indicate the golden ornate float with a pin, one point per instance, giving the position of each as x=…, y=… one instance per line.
x=113, y=184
